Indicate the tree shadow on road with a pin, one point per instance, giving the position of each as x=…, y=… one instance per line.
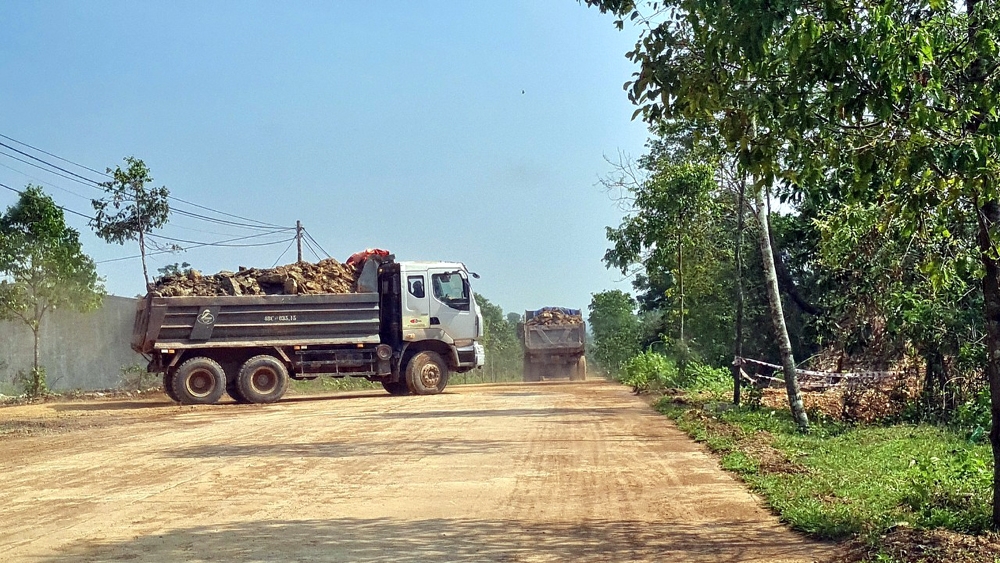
x=440, y=540
x=422, y=448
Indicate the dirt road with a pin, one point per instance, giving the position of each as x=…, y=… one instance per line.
x=532, y=472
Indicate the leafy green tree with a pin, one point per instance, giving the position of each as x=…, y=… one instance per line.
x=670, y=210
x=503, y=348
x=175, y=269
x=131, y=210
x=42, y=268
x=615, y=328
x=895, y=101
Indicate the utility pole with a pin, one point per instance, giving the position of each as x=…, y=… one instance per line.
x=298, y=238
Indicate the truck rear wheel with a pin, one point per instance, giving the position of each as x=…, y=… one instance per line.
x=396, y=387
x=530, y=371
x=199, y=381
x=262, y=379
x=232, y=370
x=580, y=370
x=426, y=374
x=168, y=386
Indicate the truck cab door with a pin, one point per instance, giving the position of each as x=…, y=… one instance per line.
x=415, y=301
x=452, y=305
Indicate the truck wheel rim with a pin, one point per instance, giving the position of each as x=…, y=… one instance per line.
x=200, y=383
x=264, y=380
x=430, y=375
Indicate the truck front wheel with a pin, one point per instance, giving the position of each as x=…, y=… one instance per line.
x=396, y=387
x=199, y=381
x=262, y=379
x=426, y=374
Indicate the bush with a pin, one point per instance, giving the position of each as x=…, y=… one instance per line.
x=649, y=370
x=32, y=382
x=973, y=416
x=135, y=378
x=700, y=377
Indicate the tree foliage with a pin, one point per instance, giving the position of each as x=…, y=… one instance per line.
x=42, y=268
x=131, y=210
x=615, y=328
x=893, y=104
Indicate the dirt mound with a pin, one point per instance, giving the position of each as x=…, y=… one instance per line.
x=325, y=276
x=555, y=317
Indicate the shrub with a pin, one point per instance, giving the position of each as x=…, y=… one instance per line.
x=700, y=377
x=649, y=370
x=973, y=416
x=135, y=378
x=32, y=382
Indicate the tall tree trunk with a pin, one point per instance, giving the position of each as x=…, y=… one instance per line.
x=989, y=217
x=738, y=254
x=778, y=317
x=680, y=280
x=142, y=253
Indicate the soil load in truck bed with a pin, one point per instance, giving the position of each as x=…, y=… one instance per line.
x=555, y=316
x=303, y=278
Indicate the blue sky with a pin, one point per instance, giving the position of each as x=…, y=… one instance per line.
x=468, y=131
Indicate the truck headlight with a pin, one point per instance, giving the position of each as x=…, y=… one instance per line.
x=383, y=351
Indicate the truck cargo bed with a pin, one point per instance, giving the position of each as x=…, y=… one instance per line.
x=563, y=338
x=266, y=320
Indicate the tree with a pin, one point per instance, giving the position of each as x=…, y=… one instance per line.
x=503, y=350
x=175, y=269
x=131, y=210
x=891, y=102
x=615, y=329
x=42, y=268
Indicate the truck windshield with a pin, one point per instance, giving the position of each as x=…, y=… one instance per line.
x=452, y=290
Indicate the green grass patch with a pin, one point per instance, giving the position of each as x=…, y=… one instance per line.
x=322, y=385
x=842, y=480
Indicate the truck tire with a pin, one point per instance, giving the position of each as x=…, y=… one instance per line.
x=199, y=381
x=396, y=387
x=232, y=370
x=168, y=386
x=262, y=379
x=426, y=374
x=580, y=370
x=233, y=390
x=530, y=371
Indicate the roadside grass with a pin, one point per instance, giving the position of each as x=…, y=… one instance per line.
x=844, y=480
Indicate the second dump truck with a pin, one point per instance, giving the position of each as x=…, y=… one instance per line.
x=409, y=326
x=554, y=342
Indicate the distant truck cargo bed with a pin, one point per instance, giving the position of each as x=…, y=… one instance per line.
x=551, y=338
x=267, y=320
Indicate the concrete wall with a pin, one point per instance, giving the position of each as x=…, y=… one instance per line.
x=79, y=351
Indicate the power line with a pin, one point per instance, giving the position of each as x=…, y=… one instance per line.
x=218, y=243
x=44, y=183
x=280, y=256
x=198, y=242
x=61, y=169
x=66, y=209
x=310, y=237
x=311, y=249
x=96, y=185
x=225, y=221
x=22, y=143
x=49, y=171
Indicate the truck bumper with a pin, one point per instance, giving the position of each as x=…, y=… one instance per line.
x=480, y=354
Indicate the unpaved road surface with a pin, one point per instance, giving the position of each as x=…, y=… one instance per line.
x=523, y=472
